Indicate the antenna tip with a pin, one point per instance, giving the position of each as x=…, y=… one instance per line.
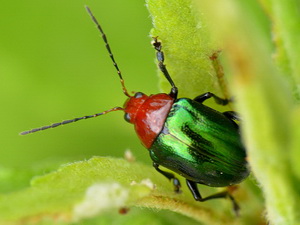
x=87, y=8
x=24, y=133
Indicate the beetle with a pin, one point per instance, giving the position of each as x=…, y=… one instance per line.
x=182, y=134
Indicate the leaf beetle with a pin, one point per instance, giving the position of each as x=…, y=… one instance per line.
x=193, y=140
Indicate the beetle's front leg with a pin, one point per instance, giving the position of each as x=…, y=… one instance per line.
x=207, y=95
x=170, y=176
x=161, y=58
x=197, y=196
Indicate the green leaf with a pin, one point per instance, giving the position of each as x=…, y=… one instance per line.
x=264, y=100
x=187, y=46
x=263, y=94
x=55, y=193
x=137, y=216
x=13, y=179
x=84, y=189
x=285, y=19
x=295, y=145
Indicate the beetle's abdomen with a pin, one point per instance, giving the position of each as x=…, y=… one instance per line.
x=201, y=144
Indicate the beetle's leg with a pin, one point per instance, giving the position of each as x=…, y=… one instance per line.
x=207, y=95
x=232, y=115
x=170, y=176
x=160, y=58
x=197, y=196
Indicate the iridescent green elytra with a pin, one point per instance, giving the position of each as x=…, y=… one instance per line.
x=201, y=144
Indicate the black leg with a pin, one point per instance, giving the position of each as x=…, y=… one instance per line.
x=207, y=95
x=170, y=176
x=197, y=196
x=232, y=115
x=160, y=58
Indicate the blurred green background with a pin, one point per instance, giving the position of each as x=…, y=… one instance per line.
x=54, y=67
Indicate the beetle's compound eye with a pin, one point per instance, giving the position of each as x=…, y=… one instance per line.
x=138, y=94
x=127, y=117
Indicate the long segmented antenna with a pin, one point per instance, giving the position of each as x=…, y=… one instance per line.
x=109, y=50
x=70, y=121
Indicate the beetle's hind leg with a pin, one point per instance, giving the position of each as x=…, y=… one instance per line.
x=232, y=115
x=207, y=95
x=170, y=176
x=197, y=196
